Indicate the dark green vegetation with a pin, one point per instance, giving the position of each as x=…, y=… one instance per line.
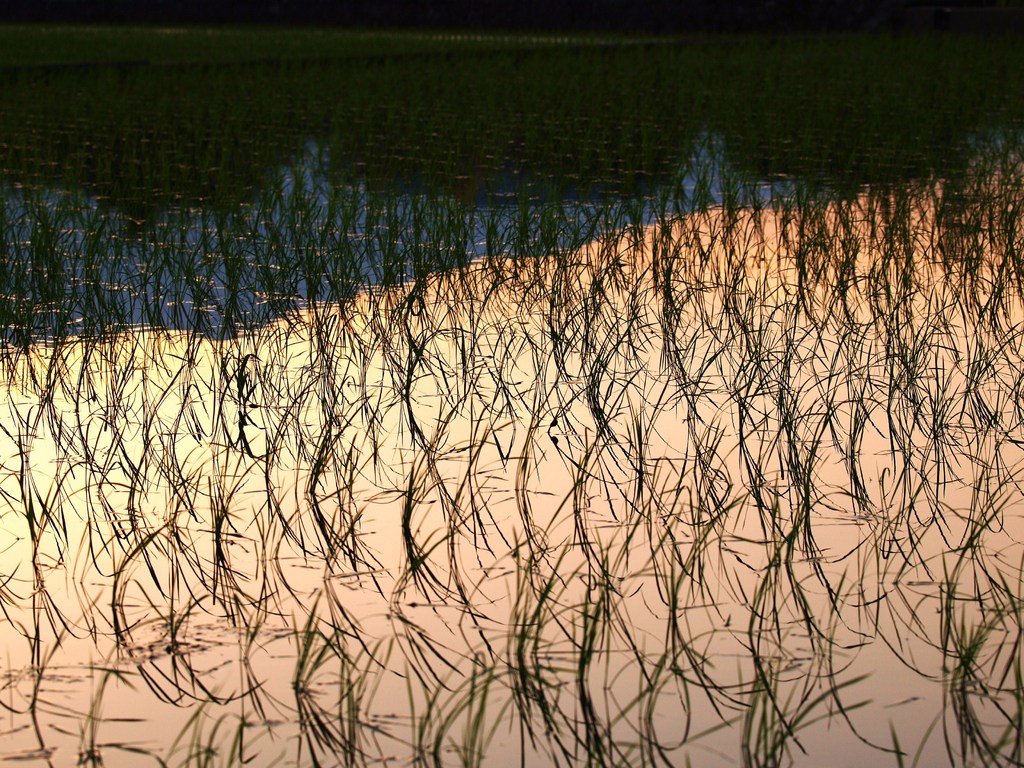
x=35, y=45
x=152, y=148
x=650, y=16
x=626, y=404
x=850, y=110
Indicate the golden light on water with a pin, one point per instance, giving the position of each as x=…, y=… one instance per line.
x=700, y=488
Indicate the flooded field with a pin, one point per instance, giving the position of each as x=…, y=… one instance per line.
x=723, y=471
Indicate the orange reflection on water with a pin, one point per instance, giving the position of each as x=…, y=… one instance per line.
x=749, y=468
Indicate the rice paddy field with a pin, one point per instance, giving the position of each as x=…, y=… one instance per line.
x=392, y=399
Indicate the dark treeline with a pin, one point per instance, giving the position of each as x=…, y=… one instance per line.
x=663, y=16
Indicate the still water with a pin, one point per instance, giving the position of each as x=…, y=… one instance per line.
x=730, y=484
x=75, y=263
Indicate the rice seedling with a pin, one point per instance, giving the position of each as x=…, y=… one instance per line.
x=596, y=404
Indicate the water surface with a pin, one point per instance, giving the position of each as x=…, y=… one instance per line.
x=740, y=484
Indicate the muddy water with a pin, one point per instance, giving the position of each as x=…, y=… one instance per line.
x=697, y=491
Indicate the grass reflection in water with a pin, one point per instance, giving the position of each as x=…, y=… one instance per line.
x=735, y=485
x=552, y=402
